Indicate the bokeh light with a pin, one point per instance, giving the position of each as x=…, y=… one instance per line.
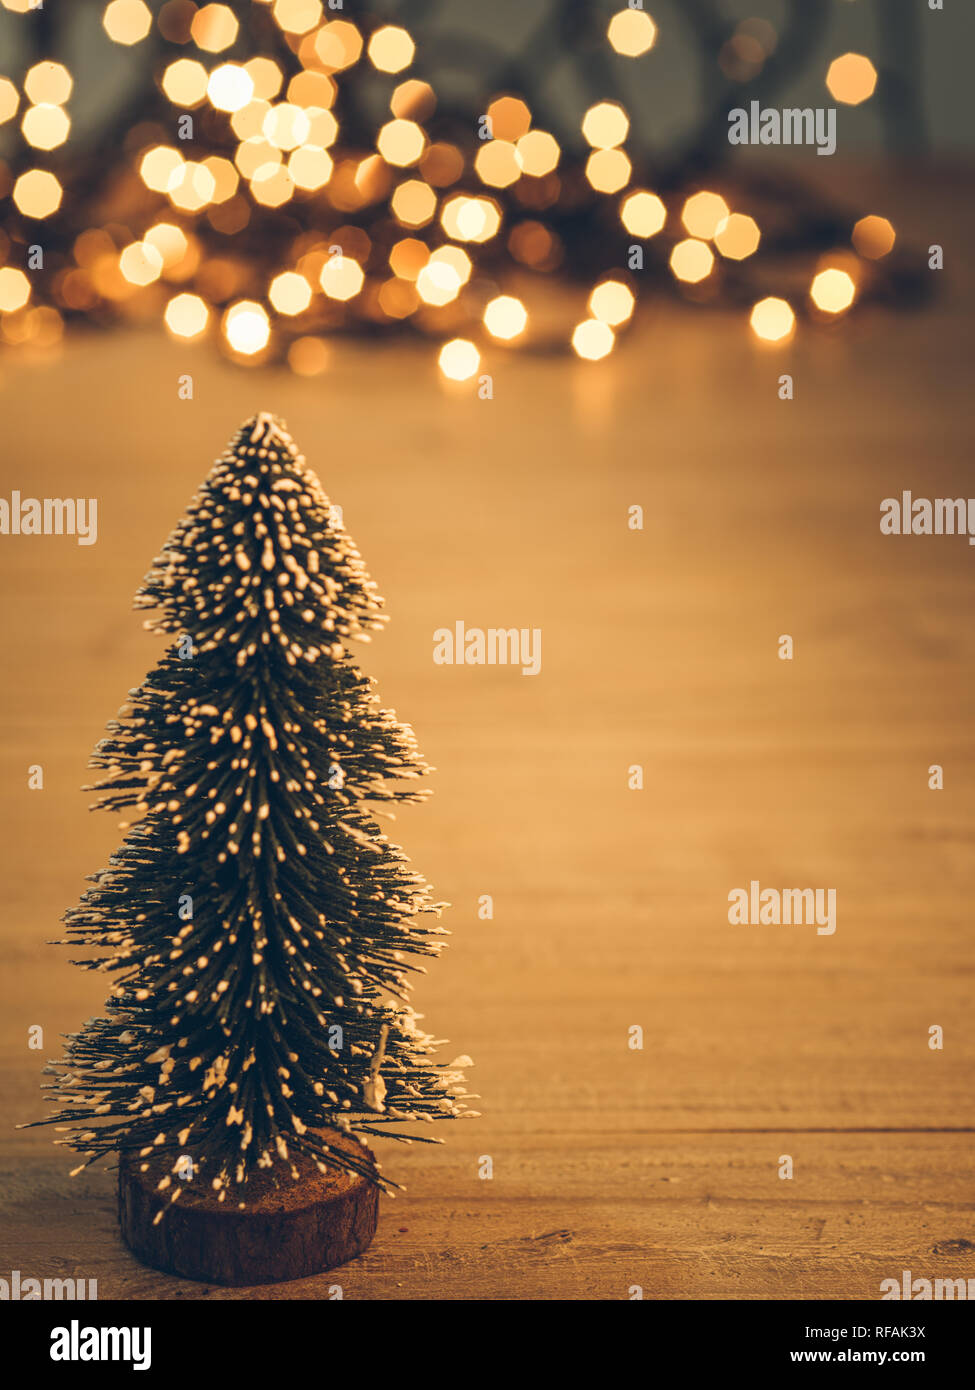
x=246, y=327
x=470, y=219
x=290, y=293
x=341, y=278
x=612, y=302
x=851, y=78
x=592, y=339
x=505, y=317
x=459, y=359
x=187, y=315
x=414, y=203
x=737, y=237
x=605, y=125
x=401, y=142
x=643, y=214
x=45, y=126
x=14, y=289
x=185, y=82
x=874, y=237
x=631, y=32
x=391, y=49
x=772, y=320
x=297, y=16
x=496, y=163
x=37, y=193
x=141, y=263
x=127, y=21
x=48, y=82
x=703, y=214
x=537, y=153
x=608, y=170
x=230, y=87
x=510, y=118
x=691, y=261
x=214, y=28
x=833, y=291
x=9, y=99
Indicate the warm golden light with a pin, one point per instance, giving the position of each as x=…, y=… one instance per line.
x=408, y=257
x=338, y=44
x=290, y=293
x=401, y=142
x=413, y=100
x=608, y=170
x=341, y=277
x=297, y=16
x=592, y=339
x=851, y=79
x=391, y=49
x=459, y=359
x=214, y=28
x=772, y=320
x=703, y=214
x=127, y=21
x=48, y=82
x=414, y=203
x=248, y=122
x=14, y=289
x=37, y=193
x=874, y=237
x=538, y=153
x=253, y=154
x=187, y=316
x=510, y=118
x=505, y=317
x=160, y=167
x=310, y=167
x=266, y=77
x=230, y=87
x=225, y=178
x=612, y=302
x=272, y=185
x=496, y=163
x=308, y=356
x=605, y=125
x=140, y=263
x=169, y=241
x=287, y=126
x=631, y=32
x=312, y=89
x=45, y=127
x=833, y=291
x=438, y=283
x=737, y=236
x=246, y=327
x=9, y=99
x=191, y=187
x=185, y=82
x=691, y=261
x=643, y=214
x=470, y=219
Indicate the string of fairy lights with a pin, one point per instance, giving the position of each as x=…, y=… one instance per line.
x=246, y=203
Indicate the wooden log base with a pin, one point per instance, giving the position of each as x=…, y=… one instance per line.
x=289, y=1229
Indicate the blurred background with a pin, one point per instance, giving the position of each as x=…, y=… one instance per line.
x=492, y=350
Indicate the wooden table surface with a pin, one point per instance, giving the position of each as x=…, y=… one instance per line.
x=612, y=1167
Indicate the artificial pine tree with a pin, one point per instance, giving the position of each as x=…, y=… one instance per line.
x=261, y=927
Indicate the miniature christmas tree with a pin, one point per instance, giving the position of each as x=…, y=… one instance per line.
x=262, y=928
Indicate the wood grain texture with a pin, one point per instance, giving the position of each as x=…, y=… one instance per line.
x=611, y=1167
